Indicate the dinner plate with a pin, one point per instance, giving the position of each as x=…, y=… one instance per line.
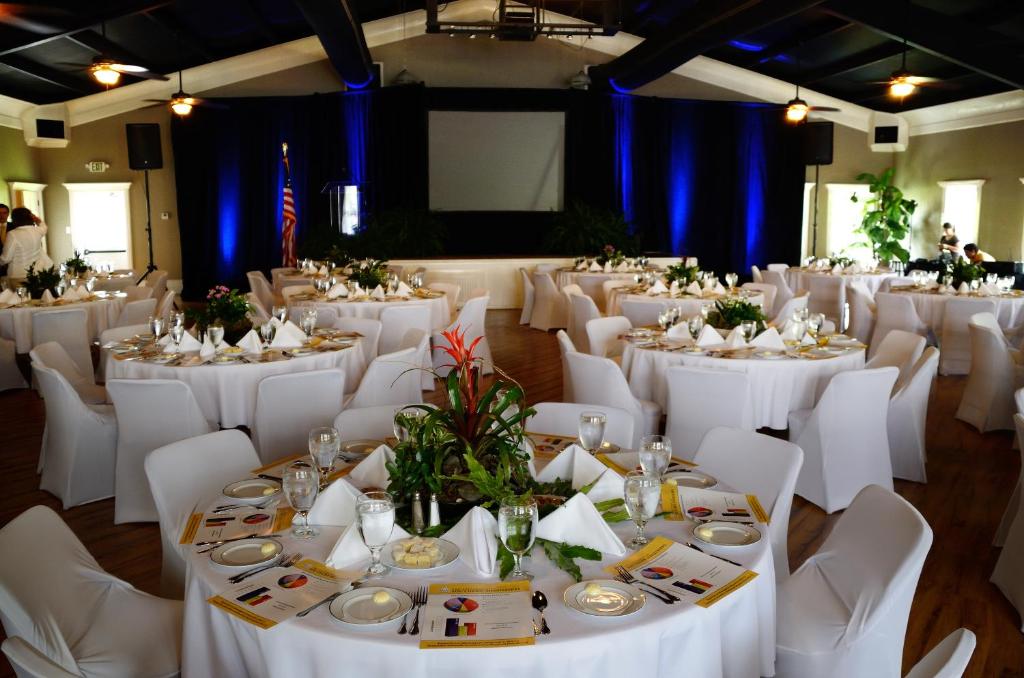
x=231, y=359
x=723, y=533
x=247, y=552
x=449, y=554
x=691, y=479
x=163, y=358
x=297, y=352
x=359, y=448
x=252, y=490
x=770, y=355
x=357, y=610
x=614, y=600
x=609, y=448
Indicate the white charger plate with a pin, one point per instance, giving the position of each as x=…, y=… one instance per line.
x=691, y=479
x=724, y=533
x=355, y=609
x=615, y=599
x=246, y=553
x=359, y=448
x=252, y=490
x=449, y=554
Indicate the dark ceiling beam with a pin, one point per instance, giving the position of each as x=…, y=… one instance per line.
x=336, y=24
x=92, y=40
x=181, y=34
x=853, y=62
x=706, y=25
x=829, y=26
x=947, y=37
x=254, y=15
x=47, y=74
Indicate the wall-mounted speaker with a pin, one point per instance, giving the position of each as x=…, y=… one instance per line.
x=887, y=133
x=817, y=142
x=144, y=151
x=46, y=126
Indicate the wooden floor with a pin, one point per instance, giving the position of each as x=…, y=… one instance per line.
x=970, y=475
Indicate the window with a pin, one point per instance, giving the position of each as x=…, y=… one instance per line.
x=100, y=219
x=807, y=245
x=843, y=218
x=961, y=206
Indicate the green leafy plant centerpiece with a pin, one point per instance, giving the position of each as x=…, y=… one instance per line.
x=586, y=228
x=610, y=255
x=961, y=271
x=39, y=281
x=887, y=214
x=229, y=306
x=729, y=313
x=682, y=274
x=76, y=265
x=369, y=273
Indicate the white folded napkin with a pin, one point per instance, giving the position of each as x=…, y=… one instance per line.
x=932, y=285
x=694, y=289
x=708, y=336
x=188, y=343
x=946, y=289
x=323, y=270
x=679, y=332
x=983, y=291
x=579, y=466
x=371, y=471
x=607, y=267
x=709, y=285
x=350, y=549
x=578, y=522
x=993, y=290
x=47, y=297
x=837, y=270
x=336, y=291
x=690, y=262
x=853, y=269
x=595, y=267
x=356, y=291
x=70, y=294
x=657, y=288
x=475, y=537
x=288, y=335
x=673, y=289
x=336, y=505
x=251, y=343
x=377, y=293
x=582, y=266
x=403, y=290
x=735, y=339
x=718, y=288
x=622, y=268
x=8, y=298
x=769, y=339
x=963, y=289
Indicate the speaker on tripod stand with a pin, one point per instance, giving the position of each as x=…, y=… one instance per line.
x=817, y=151
x=144, y=153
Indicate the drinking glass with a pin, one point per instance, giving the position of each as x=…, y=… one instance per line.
x=177, y=334
x=324, y=444
x=301, y=482
x=376, y=512
x=664, y=320
x=406, y=421
x=216, y=332
x=22, y=293
x=655, y=452
x=59, y=289
x=177, y=319
x=90, y=283
x=705, y=308
x=517, y=527
x=156, y=326
x=280, y=312
x=642, y=493
x=748, y=328
x=591, y=430
x=991, y=278
x=268, y=330
x=309, y=317
x=695, y=324
x=801, y=314
x=731, y=279
x=975, y=284
x=814, y=323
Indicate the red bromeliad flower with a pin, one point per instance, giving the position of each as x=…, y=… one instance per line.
x=465, y=364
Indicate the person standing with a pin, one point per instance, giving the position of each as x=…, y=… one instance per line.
x=24, y=244
x=5, y=214
x=949, y=243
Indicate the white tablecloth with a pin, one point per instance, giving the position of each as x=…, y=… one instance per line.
x=591, y=282
x=440, y=315
x=227, y=393
x=735, y=637
x=796, y=278
x=777, y=387
x=16, y=323
x=687, y=305
x=932, y=308
x=114, y=283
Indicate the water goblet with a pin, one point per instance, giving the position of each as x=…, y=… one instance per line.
x=268, y=331
x=748, y=328
x=814, y=323
x=642, y=492
x=705, y=309
x=591, y=430
x=695, y=324
x=279, y=312
x=731, y=279
x=90, y=283
x=156, y=326
x=177, y=334
x=177, y=319
x=216, y=332
x=308, y=321
x=22, y=293
x=655, y=453
x=991, y=278
x=517, y=527
x=975, y=284
x=324, y=444
x=376, y=513
x=301, y=483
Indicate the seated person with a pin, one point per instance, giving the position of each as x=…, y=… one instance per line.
x=975, y=255
x=949, y=243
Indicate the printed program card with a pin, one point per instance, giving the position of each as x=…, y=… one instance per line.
x=549, y=445
x=478, y=615
x=691, y=575
x=624, y=462
x=706, y=505
x=205, y=527
x=277, y=468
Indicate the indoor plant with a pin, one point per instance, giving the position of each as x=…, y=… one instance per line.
x=682, y=274
x=369, y=273
x=961, y=271
x=229, y=306
x=585, y=228
x=886, y=222
x=729, y=313
x=76, y=265
x=39, y=281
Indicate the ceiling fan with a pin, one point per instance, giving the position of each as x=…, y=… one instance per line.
x=34, y=18
x=107, y=70
x=902, y=82
x=182, y=103
x=796, y=108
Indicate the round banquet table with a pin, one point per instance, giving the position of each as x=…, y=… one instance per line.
x=591, y=282
x=796, y=278
x=114, y=282
x=777, y=387
x=931, y=307
x=227, y=393
x=16, y=322
x=688, y=305
x=440, y=315
x=735, y=637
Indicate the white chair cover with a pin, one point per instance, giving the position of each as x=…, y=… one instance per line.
x=28, y=662
x=76, y=615
x=778, y=279
x=1006, y=574
x=223, y=457
x=68, y=327
x=844, y=612
x=828, y=296
x=79, y=444
x=136, y=312
x=788, y=308
x=1010, y=513
x=136, y=293
x=755, y=274
x=259, y=286
x=955, y=339
x=549, y=311
x=987, y=402
x=51, y=354
x=275, y=275
x=158, y=281
x=608, y=288
x=908, y=414
x=258, y=313
x=151, y=413
x=116, y=334
x=895, y=281
x=862, y=311
x=603, y=335
x=582, y=310
x=701, y=399
x=563, y=419
x=642, y=313
x=473, y=320
x=166, y=305
x=397, y=320
x=777, y=268
x=391, y=379
x=895, y=312
x=600, y=381
x=369, y=328
x=420, y=340
x=451, y=290
x=763, y=466
x=368, y=423
x=845, y=438
x=565, y=346
x=568, y=292
x=10, y=375
x=524, y=277
x=765, y=290
x=288, y=406
x=948, y=659
x=898, y=349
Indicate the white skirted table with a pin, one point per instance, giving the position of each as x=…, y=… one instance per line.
x=440, y=315
x=591, y=282
x=687, y=304
x=796, y=278
x=114, y=282
x=777, y=386
x=16, y=322
x=931, y=307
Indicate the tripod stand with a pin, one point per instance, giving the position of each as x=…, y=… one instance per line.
x=149, y=232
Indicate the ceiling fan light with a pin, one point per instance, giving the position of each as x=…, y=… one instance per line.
x=181, y=107
x=901, y=87
x=105, y=75
x=796, y=110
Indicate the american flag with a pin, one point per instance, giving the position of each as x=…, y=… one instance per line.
x=287, y=215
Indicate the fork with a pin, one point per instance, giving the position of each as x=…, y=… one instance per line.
x=627, y=578
x=420, y=600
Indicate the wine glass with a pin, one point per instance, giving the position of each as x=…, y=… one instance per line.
x=22, y=292
x=308, y=320
x=642, y=493
x=268, y=330
x=517, y=527
x=731, y=279
x=156, y=326
x=695, y=324
x=280, y=312
x=406, y=421
x=216, y=333
x=591, y=430
x=655, y=453
x=814, y=323
x=301, y=482
x=705, y=309
x=748, y=328
x=324, y=444
x=177, y=318
x=177, y=334
x=376, y=513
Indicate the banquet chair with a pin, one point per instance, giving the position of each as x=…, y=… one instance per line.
x=549, y=311
x=787, y=309
x=151, y=413
x=563, y=419
x=600, y=382
x=778, y=268
x=76, y=616
x=391, y=379
x=641, y=313
x=895, y=312
x=578, y=335
x=10, y=375
x=701, y=399
x=369, y=328
x=895, y=281
x=288, y=406
x=782, y=291
x=52, y=355
x=258, y=313
x=524, y=317
x=948, y=659
x=1006, y=575
x=369, y=423
x=899, y=349
x=291, y=290
x=604, y=336
x=765, y=290
x=79, y=443
x=115, y=334
x=608, y=295
x=137, y=293
x=755, y=274
x=1014, y=504
x=451, y=291
x=166, y=305
x=223, y=457
x=136, y=312
x=28, y=662
x=582, y=309
x=828, y=297
x=70, y=328
x=862, y=311
x=955, y=338
x=845, y=438
x=547, y=268
x=987, y=402
x=259, y=286
x=908, y=415
x=276, y=273
x=565, y=346
x=473, y=320
x=158, y=281
x=397, y=320
x=762, y=465
x=844, y=612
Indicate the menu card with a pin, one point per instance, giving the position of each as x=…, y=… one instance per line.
x=234, y=524
x=280, y=593
x=478, y=615
x=691, y=575
x=705, y=505
x=549, y=445
x=616, y=464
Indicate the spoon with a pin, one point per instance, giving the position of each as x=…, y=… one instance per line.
x=540, y=601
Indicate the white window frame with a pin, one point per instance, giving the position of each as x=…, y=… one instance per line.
x=966, y=233
x=862, y=254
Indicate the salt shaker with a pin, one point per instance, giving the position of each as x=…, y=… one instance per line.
x=417, y=513
x=435, y=511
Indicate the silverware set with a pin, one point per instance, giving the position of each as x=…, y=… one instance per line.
x=419, y=599
x=699, y=549
x=661, y=594
x=215, y=544
x=284, y=561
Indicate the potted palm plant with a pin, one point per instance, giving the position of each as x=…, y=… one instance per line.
x=887, y=214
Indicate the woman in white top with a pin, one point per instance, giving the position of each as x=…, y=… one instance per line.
x=24, y=244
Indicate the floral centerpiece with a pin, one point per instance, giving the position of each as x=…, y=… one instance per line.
x=369, y=273
x=39, y=281
x=610, y=255
x=961, y=271
x=682, y=274
x=729, y=313
x=228, y=306
x=76, y=265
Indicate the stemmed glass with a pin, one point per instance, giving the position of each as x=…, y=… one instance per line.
x=814, y=323
x=376, y=513
x=216, y=332
x=280, y=312
x=324, y=444
x=156, y=325
x=301, y=483
x=591, y=430
x=177, y=334
x=406, y=420
x=655, y=453
x=517, y=527
x=731, y=279
x=695, y=324
x=748, y=328
x=642, y=494
x=268, y=330
x=177, y=318
x=308, y=320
